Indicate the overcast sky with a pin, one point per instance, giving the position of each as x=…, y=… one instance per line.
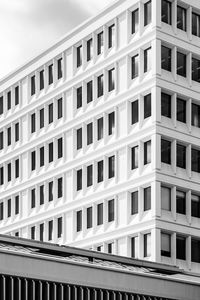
x=28, y=27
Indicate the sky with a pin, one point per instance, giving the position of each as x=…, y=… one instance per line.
x=28, y=27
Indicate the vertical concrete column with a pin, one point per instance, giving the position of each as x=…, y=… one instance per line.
x=141, y=64
x=156, y=104
x=156, y=151
x=156, y=13
x=156, y=244
x=141, y=17
x=188, y=160
x=188, y=252
x=189, y=68
x=156, y=199
x=189, y=113
x=140, y=202
x=189, y=22
x=173, y=202
x=188, y=206
x=174, y=16
x=156, y=57
x=174, y=108
x=173, y=154
x=173, y=248
x=141, y=156
x=174, y=62
x=140, y=246
x=141, y=110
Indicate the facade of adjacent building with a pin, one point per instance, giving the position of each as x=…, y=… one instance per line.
x=99, y=136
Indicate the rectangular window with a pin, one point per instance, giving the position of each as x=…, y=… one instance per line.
x=180, y=247
x=166, y=58
x=50, y=236
x=32, y=198
x=135, y=21
x=180, y=202
x=166, y=244
x=111, y=166
x=165, y=198
x=89, y=133
x=41, y=80
x=111, y=210
x=147, y=198
x=9, y=136
x=134, y=203
x=59, y=224
x=1, y=211
x=181, y=156
x=195, y=249
x=1, y=140
x=147, y=152
x=147, y=60
x=195, y=115
x=134, y=112
x=147, y=106
x=50, y=152
x=89, y=175
x=89, y=49
x=59, y=108
x=1, y=176
x=41, y=194
x=33, y=232
x=60, y=148
x=16, y=168
x=196, y=69
x=100, y=43
x=33, y=161
x=33, y=127
x=79, y=220
x=79, y=179
x=32, y=85
x=9, y=208
x=1, y=105
x=79, y=138
x=147, y=13
x=79, y=96
x=135, y=66
x=42, y=232
x=134, y=247
x=100, y=214
x=79, y=56
x=110, y=248
x=16, y=95
x=60, y=187
x=16, y=132
x=100, y=171
x=41, y=118
x=89, y=217
x=50, y=72
x=165, y=151
x=195, y=206
x=195, y=160
x=181, y=18
x=59, y=66
x=41, y=156
x=195, y=24
x=166, y=12
x=9, y=100
x=100, y=86
x=17, y=205
x=111, y=80
x=134, y=157
x=181, y=110
x=166, y=105
x=181, y=64
x=9, y=171
x=100, y=128
x=50, y=106
x=111, y=36
x=50, y=191
x=111, y=123
x=89, y=91
x=147, y=245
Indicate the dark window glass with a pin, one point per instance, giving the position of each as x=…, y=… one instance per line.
x=9, y=100
x=166, y=244
x=79, y=180
x=59, y=65
x=9, y=171
x=195, y=24
x=147, y=152
x=166, y=12
x=32, y=198
x=1, y=211
x=1, y=105
x=111, y=80
x=16, y=168
x=181, y=64
x=147, y=106
x=100, y=214
x=195, y=115
x=195, y=249
x=32, y=85
x=100, y=128
x=9, y=207
x=135, y=66
x=99, y=43
x=50, y=69
x=50, y=152
x=147, y=198
x=79, y=97
x=135, y=21
x=41, y=194
x=111, y=35
x=181, y=156
x=50, y=113
x=134, y=203
x=60, y=148
x=17, y=205
x=147, y=245
x=89, y=49
x=165, y=151
x=79, y=138
x=180, y=202
x=111, y=166
x=181, y=110
x=180, y=247
x=41, y=156
x=134, y=112
x=16, y=132
x=181, y=18
x=147, y=60
x=41, y=232
x=134, y=157
x=41, y=80
x=89, y=175
x=60, y=187
x=166, y=105
x=147, y=13
x=41, y=118
x=110, y=248
x=1, y=140
x=111, y=210
x=1, y=176
x=79, y=56
x=79, y=220
x=16, y=95
x=50, y=191
x=100, y=86
x=33, y=160
x=89, y=91
x=100, y=171
x=166, y=59
x=195, y=206
x=59, y=107
x=195, y=160
x=33, y=232
x=111, y=123
x=9, y=136
x=89, y=217
x=59, y=227
x=50, y=236
x=196, y=69
x=33, y=127
x=89, y=133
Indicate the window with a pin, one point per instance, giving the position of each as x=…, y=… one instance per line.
x=100, y=171
x=42, y=232
x=50, y=152
x=181, y=18
x=181, y=156
x=50, y=191
x=9, y=136
x=17, y=205
x=89, y=91
x=60, y=148
x=100, y=214
x=79, y=56
x=111, y=123
x=79, y=96
x=60, y=187
x=41, y=80
x=147, y=60
x=32, y=198
x=16, y=132
x=180, y=202
x=181, y=64
x=9, y=208
x=135, y=66
x=50, y=113
x=41, y=194
x=134, y=157
x=195, y=69
x=1, y=211
x=166, y=105
x=180, y=247
x=59, y=220
x=89, y=175
x=100, y=86
x=135, y=21
x=165, y=244
x=165, y=198
x=59, y=65
x=16, y=95
x=33, y=160
x=1, y=140
x=1, y=105
x=9, y=171
x=147, y=106
x=100, y=128
x=134, y=203
x=111, y=36
x=165, y=151
x=16, y=168
x=195, y=24
x=147, y=245
x=9, y=100
x=41, y=156
x=59, y=108
x=134, y=247
x=1, y=175
x=89, y=217
x=166, y=12
x=89, y=133
x=147, y=13
x=147, y=198
x=79, y=138
x=111, y=166
x=41, y=118
x=134, y=112
x=79, y=179
x=99, y=43
x=79, y=220
x=89, y=49
x=111, y=210
x=50, y=237
x=195, y=115
x=195, y=249
x=195, y=206
x=147, y=152
x=50, y=72
x=195, y=160
x=32, y=85
x=110, y=248
x=33, y=127
x=181, y=110
x=111, y=80
x=33, y=232
x=166, y=60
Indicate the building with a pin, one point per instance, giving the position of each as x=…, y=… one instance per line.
x=99, y=136
x=32, y=270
